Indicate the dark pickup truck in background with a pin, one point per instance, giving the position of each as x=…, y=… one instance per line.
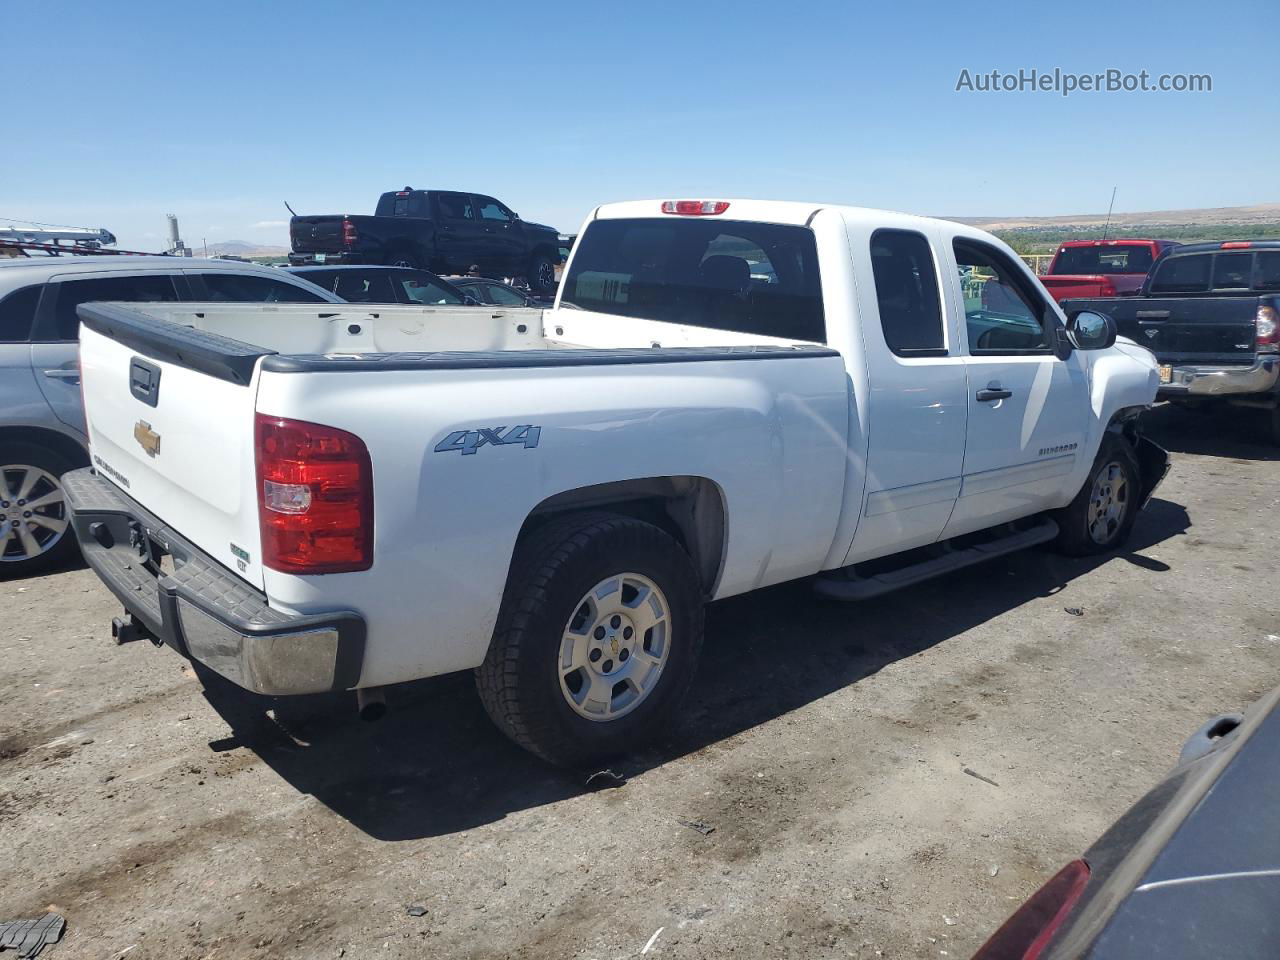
x=1210, y=312
x=1101, y=268
x=445, y=231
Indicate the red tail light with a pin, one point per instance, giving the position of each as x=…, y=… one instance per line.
x=1107, y=288
x=349, y=233
x=695, y=208
x=1025, y=935
x=315, y=497
x=1266, y=327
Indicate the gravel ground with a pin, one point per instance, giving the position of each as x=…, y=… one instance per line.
x=824, y=745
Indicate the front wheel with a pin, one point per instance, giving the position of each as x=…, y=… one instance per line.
x=597, y=639
x=1104, y=511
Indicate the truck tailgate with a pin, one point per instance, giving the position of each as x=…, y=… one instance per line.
x=1191, y=330
x=178, y=441
x=316, y=234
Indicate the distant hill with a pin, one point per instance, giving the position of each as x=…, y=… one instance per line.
x=1258, y=214
x=238, y=248
x=1038, y=235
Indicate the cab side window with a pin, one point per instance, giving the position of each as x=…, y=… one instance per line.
x=907, y=293
x=491, y=209
x=1003, y=312
x=455, y=206
x=243, y=288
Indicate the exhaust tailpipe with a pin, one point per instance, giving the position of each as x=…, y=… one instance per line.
x=371, y=704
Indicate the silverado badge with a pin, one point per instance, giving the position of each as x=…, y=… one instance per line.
x=147, y=438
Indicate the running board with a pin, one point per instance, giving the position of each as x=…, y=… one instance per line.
x=845, y=584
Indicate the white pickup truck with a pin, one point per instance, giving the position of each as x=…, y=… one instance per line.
x=726, y=395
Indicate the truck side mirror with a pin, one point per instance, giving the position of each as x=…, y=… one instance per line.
x=1090, y=330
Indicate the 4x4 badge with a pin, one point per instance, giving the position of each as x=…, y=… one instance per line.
x=147, y=438
x=469, y=441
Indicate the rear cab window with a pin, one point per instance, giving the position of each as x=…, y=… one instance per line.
x=1184, y=274
x=1132, y=259
x=748, y=277
x=1266, y=274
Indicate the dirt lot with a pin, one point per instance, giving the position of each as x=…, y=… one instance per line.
x=826, y=746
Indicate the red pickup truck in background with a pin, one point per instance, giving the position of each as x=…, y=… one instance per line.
x=1101, y=268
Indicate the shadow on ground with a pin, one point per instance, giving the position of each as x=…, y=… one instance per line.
x=436, y=765
x=1216, y=431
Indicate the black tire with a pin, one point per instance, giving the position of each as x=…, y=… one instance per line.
x=403, y=258
x=552, y=572
x=1074, y=536
x=1273, y=425
x=16, y=560
x=542, y=274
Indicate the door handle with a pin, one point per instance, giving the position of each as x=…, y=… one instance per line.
x=63, y=374
x=994, y=393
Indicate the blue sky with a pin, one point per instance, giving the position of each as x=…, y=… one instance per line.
x=219, y=112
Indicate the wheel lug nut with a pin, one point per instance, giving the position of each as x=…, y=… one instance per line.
x=608, y=665
x=623, y=655
x=627, y=633
x=616, y=622
x=599, y=634
x=594, y=656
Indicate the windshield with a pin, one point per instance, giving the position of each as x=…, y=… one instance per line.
x=731, y=275
x=1077, y=260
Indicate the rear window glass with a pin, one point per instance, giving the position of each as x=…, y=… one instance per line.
x=17, y=313
x=755, y=278
x=1188, y=274
x=1078, y=260
x=1266, y=275
x=1232, y=270
x=143, y=288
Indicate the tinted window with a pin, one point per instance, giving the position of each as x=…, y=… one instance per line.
x=455, y=206
x=1077, y=260
x=491, y=209
x=355, y=286
x=17, y=312
x=751, y=277
x=1232, y=270
x=1266, y=277
x=1188, y=274
x=1003, y=312
x=245, y=288
x=145, y=288
x=424, y=290
x=907, y=292
x=504, y=296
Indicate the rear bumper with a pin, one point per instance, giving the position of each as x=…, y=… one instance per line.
x=325, y=259
x=1222, y=381
x=200, y=608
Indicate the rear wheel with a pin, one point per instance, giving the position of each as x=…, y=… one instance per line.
x=403, y=258
x=597, y=640
x=1273, y=424
x=1104, y=511
x=35, y=532
x=542, y=274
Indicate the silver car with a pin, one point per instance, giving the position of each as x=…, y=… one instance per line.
x=42, y=428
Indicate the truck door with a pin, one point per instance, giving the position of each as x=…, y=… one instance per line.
x=459, y=233
x=54, y=347
x=504, y=233
x=1028, y=408
x=916, y=405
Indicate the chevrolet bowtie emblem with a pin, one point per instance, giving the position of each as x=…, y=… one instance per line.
x=147, y=438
